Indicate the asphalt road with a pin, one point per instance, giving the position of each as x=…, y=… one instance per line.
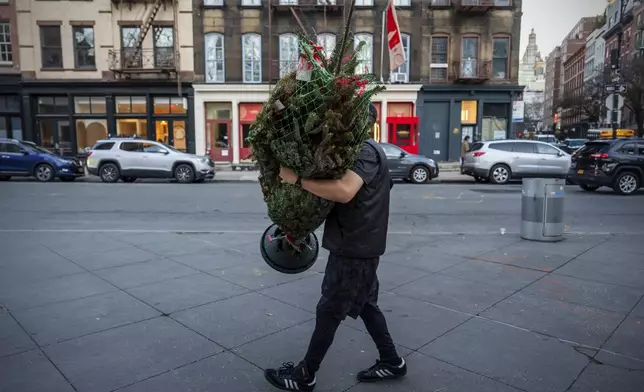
x=446, y=208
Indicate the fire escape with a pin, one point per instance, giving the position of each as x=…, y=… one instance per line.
x=132, y=60
x=305, y=13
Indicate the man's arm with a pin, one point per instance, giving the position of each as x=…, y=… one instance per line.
x=346, y=188
x=339, y=191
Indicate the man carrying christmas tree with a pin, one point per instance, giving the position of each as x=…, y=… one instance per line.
x=355, y=234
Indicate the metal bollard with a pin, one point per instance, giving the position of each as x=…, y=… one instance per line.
x=542, y=209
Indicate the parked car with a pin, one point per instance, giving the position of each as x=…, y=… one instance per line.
x=618, y=164
x=412, y=168
x=571, y=145
x=503, y=160
x=547, y=138
x=27, y=159
x=130, y=158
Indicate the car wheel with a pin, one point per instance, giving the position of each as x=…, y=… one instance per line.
x=44, y=173
x=128, y=179
x=589, y=188
x=500, y=174
x=109, y=172
x=419, y=175
x=67, y=179
x=184, y=174
x=5, y=178
x=626, y=183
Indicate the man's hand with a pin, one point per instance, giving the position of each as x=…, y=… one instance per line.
x=287, y=175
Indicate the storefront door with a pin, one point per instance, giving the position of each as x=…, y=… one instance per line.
x=10, y=127
x=171, y=132
x=403, y=132
x=55, y=135
x=218, y=140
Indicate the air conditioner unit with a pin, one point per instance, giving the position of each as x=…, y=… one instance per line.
x=399, y=77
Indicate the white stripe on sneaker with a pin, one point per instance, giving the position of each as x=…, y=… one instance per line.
x=380, y=373
x=387, y=372
x=402, y=362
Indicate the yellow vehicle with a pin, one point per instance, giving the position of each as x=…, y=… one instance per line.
x=608, y=133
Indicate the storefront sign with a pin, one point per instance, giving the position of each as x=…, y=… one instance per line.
x=249, y=111
x=405, y=109
x=518, y=108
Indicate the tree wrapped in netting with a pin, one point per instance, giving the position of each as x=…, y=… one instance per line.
x=315, y=122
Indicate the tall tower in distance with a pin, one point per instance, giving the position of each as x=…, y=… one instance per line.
x=532, y=67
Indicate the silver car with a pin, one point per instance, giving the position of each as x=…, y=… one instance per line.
x=130, y=158
x=502, y=160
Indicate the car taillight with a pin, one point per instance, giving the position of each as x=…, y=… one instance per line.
x=603, y=155
x=478, y=154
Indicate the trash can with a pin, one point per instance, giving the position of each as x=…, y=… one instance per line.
x=542, y=208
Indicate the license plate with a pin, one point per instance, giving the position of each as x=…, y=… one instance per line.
x=580, y=172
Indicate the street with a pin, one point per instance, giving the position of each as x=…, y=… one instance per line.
x=155, y=287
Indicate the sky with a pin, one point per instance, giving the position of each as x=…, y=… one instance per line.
x=552, y=20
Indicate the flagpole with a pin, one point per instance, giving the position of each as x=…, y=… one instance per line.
x=382, y=46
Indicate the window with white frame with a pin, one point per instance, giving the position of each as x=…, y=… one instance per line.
x=288, y=2
x=289, y=52
x=365, y=55
x=252, y=58
x=215, y=63
x=364, y=3
x=6, y=54
x=327, y=2
x=402, y=3
x=327, y=42
x=438, y=62
x=401, y=74
x=213, y=3
x=251, y=3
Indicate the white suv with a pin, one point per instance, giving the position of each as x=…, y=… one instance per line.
x=131, y=158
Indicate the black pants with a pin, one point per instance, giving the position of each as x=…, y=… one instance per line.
x=350, y=288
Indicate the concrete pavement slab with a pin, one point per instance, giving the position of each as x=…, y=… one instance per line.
x=511, y=355
x=586, y=292
x=139, y=274
x=413, y=323
x=216, y=259
x=351, y=352
x=391, y=275
x=257, y=275
x=13, y=338
x=428, y=374
x=224, y=372
x=179, y=246
x=61, y=321
x=238, y=320
x=303, y=293
x=538, y=261
x=186, y=292
x=121, y=356
x=576, y=323
x=628, y=339
x=22, y=271
x=612, y=270
x=77, y=245
x=610, y=373
x=122, y=255
x=421, y=259
x=639, y=309
x=454, y=293
x=19, y=295
x=31, y=371
x=494, y=274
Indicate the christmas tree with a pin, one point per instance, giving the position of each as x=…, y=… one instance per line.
x=315, y=123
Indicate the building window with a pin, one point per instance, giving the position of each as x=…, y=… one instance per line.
x=364, y=3
x=130, y=54
x=53, y=105
x=215, y=64
x=365, y=56
x=289, y=51
x=84, y=53
x=327, y=42
x=438, y=65
x=213, y=3
x=469, y=56
x=51, y=47
x=252, y=58
x=6, y=55
x=251, y=3
x=500, y=56
x=89, y=105
x=288, y=2
x=327, y=2
x=402, y=3
x=163, y=47
x=502, y=3
x=401, y=74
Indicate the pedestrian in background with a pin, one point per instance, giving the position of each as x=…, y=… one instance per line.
x=465, y=147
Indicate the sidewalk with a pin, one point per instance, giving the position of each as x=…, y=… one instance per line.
x=178, y=312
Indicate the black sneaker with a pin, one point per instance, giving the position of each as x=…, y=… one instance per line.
x=290, y=377
x=383, y=371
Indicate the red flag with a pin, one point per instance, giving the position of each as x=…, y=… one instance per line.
x=394, y=39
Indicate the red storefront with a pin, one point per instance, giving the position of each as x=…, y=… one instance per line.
x=247, y=114
x=402, y=126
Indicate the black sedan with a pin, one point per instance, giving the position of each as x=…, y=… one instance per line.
x=572, y=145
x=412, y=168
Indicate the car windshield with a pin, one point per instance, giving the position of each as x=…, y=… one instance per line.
x=576, y=142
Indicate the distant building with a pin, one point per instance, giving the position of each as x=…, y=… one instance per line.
x=532, y=76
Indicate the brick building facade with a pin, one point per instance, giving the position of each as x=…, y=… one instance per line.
x=574, y=68
x=10, y=121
